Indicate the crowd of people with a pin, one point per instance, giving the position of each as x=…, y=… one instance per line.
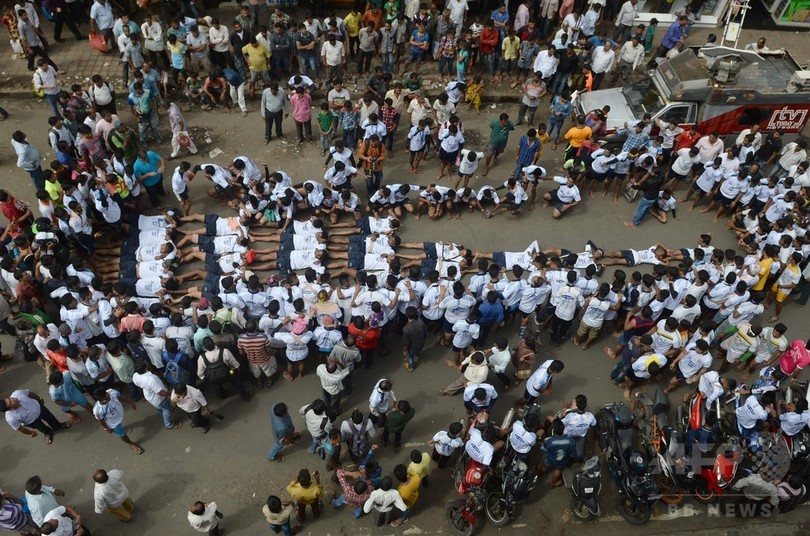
x=302, y=277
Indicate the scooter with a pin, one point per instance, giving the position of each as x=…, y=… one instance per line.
x=626, y=465
x=585, y=488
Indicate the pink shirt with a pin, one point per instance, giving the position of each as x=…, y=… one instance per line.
x=795, y=358
x=301, y=107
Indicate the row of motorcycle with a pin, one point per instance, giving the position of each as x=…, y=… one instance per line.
x=645, y=452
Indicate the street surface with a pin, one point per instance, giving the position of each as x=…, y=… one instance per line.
x=229, y=464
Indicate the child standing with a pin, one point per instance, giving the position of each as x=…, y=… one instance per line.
x=420, y=466
x=395, y=423
x=301, y=103
x=349, y=116
x=462, y=61
x=474, y=93
x=649, y=35
x=326, y=124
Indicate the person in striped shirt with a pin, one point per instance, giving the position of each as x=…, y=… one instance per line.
x=255, y=346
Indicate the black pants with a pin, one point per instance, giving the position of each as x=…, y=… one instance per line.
x=198, y=420
x=505, y=380
x=8, y=328
x=236, y=382
x=597, y=80
x=397, y=438
x=63, y=18
x=154, y=193
x=46, y=423
x=333, y=401
x=364, y=61
x=559, y=329
x=368, y=357
x=77, y=12
x=270, y=119
x=39, y=51
x=221, y=59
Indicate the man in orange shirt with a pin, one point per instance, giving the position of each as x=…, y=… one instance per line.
x=576, y=136
x=372, y=156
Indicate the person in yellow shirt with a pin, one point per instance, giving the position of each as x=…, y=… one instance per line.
x=352, y=22
x=510, y=50
x=408, y=489
x=783, y=286
x=420, y=466
x=258, y=59
x=305, y=492
x=576, y=136
x=765, y=264
x=542, y=135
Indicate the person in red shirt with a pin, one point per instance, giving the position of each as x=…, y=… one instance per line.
x=18, y=214
x=686, y=139
x=486, y=45
x=795, y=359
x=367, y=336
x=57, y=356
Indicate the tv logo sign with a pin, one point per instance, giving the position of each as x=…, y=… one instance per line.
x=787, y=119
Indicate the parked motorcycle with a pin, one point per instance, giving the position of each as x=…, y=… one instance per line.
x=586, y=487
x=463, y=515
x=713, y=481
x=627, y=466
x=667, y=446
x=517, y=481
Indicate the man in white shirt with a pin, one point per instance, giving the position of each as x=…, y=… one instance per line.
x=481, y=447
x=567, y=300
x=624, y=21
x=193, y=402
x=111, y=494
x=602, y=61
x=546, y=63
x=564, y=198
x=156, y=393
x=539, y=383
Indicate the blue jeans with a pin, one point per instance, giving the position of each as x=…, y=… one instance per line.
x=36, y=176
x=348, y=138
x=340, y=501
x=285, y=528
x=555, y=124
x=313, y=445
x=274, y=450
x=558, y=84
x=446, y=64
x=412, y=360
x=165, y=410
x=461, y=75
x=308, y=65
x=281, y=65
x=388, y=62
x=53, y=101
x=489, y=61
x=642, y=209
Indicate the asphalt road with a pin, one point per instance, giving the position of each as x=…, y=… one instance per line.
x=229, y=465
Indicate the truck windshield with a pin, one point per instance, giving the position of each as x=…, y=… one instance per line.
x=643, y=98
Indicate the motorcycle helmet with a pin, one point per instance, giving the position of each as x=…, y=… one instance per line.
x=636, y=461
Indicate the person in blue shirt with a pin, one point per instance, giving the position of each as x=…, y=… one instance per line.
x=66, y=395
x=148, y=170
x=500, y=17
x=143, y=107
x=283, y=431
x=492, y=314
x=600, y=39
x=559, y=449
x=675, y=36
